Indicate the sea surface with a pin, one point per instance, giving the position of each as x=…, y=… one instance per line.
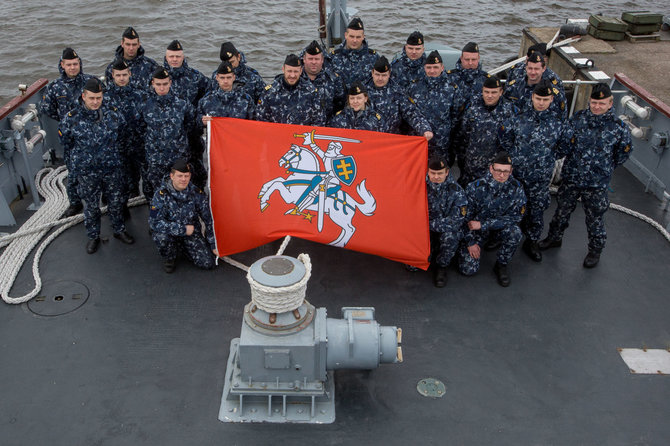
x=34, y=33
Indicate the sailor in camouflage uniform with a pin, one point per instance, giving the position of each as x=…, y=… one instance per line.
x=291, y=99
x=468, y=76
x=434, y=96
x=496, y=204
x=327, y=81
x=132, y=53
x=477, y=132
x=392, y=103
x=61, y=96
x=519, y=91
x=447, y=208
x=409, y=65
x=177, y=209
x=598, y=142
x=188, y=83
x=168, y=121
x=518, y=72
x=227, y=101
x=353, y=60
x=129, y=101
x=90, y=131
x=248, y=78
x=531, y=139
x=358, y=114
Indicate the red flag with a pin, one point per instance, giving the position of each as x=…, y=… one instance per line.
x=357, y=189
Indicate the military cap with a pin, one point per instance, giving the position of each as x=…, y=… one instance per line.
x=600, y=91
x=228, y=50
x=175, y=46
x=502, y=158
x=543, y=89
x=292, y=60
x=470, y=47
x=181, y=165
x=69, y=53
x=356, y=24
x=433, y=58
x=536, y=58
x=130, y=33
x=492, y=82
x=437, y=163
x=382, y=65
x=357, y=88
x=416, y=38
x=120, y=64
x=225, y=67
x=538, y=48
x=93, y=85
x=160, y=73
x=314, y=48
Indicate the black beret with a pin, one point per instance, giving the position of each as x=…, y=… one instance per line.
x=228, y=50
x=160, y=73
x=175, y=46
x=357, y=88
x=292, y=60
x=543, y=89
x=382, y=65
x=181, y=165
x=356, y=24
x=470, y=47
x=93, y=85
x=502, y=158
x=437, y=163
x=69, y=53
x=538, y=48
x=492, y=82
x=130, y=33
x=119, y=64
x=416, y=38
x=225, y=67
x=433, y=58
x=314, y=48
x=600, y=91
x=536, y=58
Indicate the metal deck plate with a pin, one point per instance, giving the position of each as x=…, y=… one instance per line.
x=57, y=298
x=646, y=361
x=431, y=387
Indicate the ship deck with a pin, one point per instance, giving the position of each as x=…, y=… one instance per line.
x=143, y=360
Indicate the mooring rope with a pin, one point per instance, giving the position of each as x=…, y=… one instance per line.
x=281, y=299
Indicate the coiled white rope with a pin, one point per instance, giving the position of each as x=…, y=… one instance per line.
x=281, y=299
x=50, y=185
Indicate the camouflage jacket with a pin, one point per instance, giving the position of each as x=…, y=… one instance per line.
x=447, y=205
x=354, y=65
x=404, y=70
x=129, y=101
x=367, y=119
x=393, y=104
x=141, y=68
x=331, y=87
x=248, y=78
x=519, y=92
x=62, y=94
x=291, y=104
x=434, y=98
x=226, y=104
x=188, y=83
x=469, y=82
x=168, y=120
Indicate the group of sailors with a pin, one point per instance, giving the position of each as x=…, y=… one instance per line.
x=144, y=125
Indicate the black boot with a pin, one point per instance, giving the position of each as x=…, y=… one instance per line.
x=440, y=276
x=92, y=245
x=501, y=274
x=169, y=265
x=548, y=242
x=124, y=237
x=73, y=210
x=591, y=259
x=532, y=250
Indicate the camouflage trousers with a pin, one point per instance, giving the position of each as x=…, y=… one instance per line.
x=153, y=176
x=132, y=158
x=194, y=247
x=91, y=186
x=537, y=201
x=72, y=186
x=510, y=236
x=595, y=203
x=443, y=246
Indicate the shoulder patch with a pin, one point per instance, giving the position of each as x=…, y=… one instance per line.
x=378, y=117
x=555, y=82
x=372, y=51
x=336, y=114
x=411, y=99
x=267, y=87
x=511, y=82
x=464, y=210
x=627, y=148
x=555, y=90
x=449, y=71
x=523, y=209
x=562, y=105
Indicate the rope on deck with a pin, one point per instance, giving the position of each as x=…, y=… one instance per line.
x=642, y=217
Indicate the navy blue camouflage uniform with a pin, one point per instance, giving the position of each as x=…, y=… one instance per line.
x=331, y=87
x=476, y=136
x=353, y=65
x=366, y=119
x=248, y=79
x=168, y=121
x=129, y=101
x=395, y=108
x=92, y=139
x=469, y=83
x=61, y=96
x=519, y=92
x=593, y=148
x=447, y=208
x=141, y=68
x=300, y=103
x=404, y=70
x=225, y=104
x=171, y=211
x=434, y=98
x=531, y=139
x=499, y=207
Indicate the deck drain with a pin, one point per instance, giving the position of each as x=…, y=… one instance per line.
x=56, y=298
x=431, y=387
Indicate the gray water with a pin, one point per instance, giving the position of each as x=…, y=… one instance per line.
x=34, y=33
